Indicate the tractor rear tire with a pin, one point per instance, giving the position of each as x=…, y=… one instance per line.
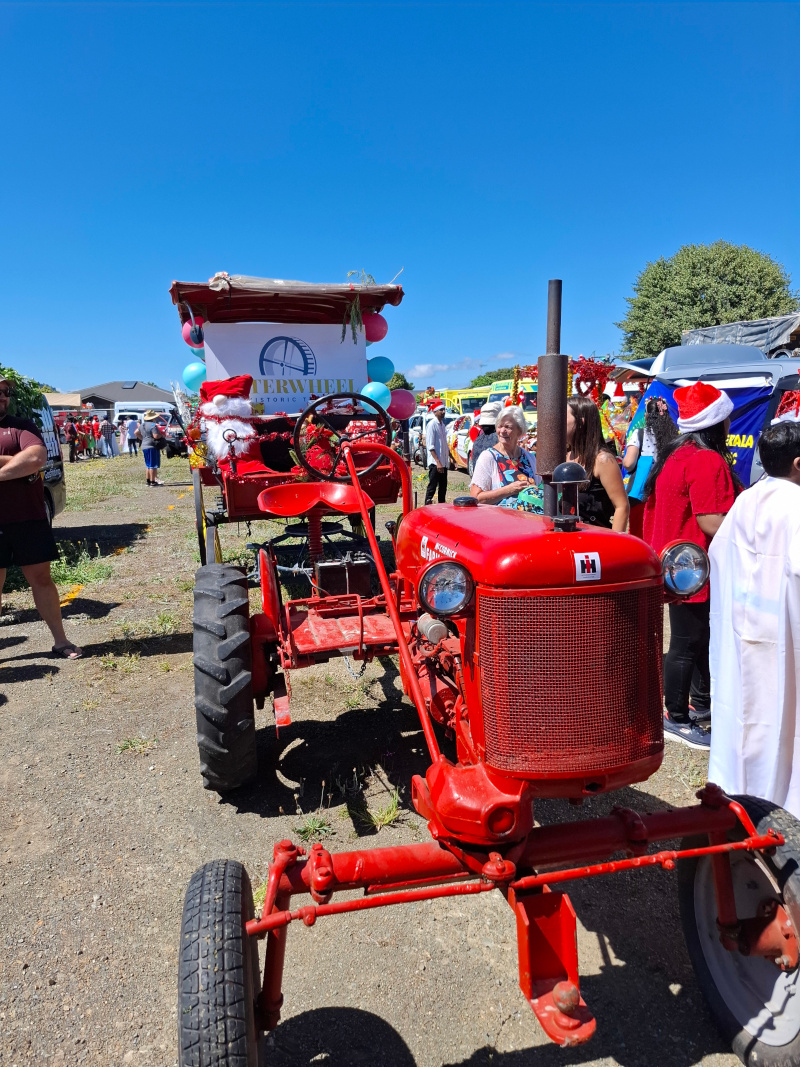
x=218, y=972
x=755, y=1005
x=223, y=681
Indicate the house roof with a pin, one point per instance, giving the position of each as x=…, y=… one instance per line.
x=114, y=391
x=240, y=298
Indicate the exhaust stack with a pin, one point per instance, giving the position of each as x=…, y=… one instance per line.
x=551, y=446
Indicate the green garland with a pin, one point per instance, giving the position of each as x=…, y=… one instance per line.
x=26, y=394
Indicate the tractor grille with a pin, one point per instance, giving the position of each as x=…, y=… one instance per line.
x=571, y=683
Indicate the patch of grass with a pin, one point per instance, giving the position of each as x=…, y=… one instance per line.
x=137, y=745
x=109, y=662
x=185, y=585
x=313, y=827
x=166, y=623
x=165, y=666
x=259, y=896
x=76, y=565
x=378, y=817
x=86, y=705
x=130, y=662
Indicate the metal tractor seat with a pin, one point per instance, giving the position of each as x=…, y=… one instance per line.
x=299, y=498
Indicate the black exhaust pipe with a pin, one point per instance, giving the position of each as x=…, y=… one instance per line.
x=551, y=423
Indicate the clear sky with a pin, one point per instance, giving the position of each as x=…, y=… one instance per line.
x=483, y=147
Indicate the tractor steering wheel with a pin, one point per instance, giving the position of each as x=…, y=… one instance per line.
x=337, y=423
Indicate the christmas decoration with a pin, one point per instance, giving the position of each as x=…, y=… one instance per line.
x=225, y=406
x=380, y=369
x=378, y=392
x=194, y=374
x=375, y=327
x=403, y=404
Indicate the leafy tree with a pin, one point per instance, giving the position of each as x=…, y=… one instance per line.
x=399, y=381
x=702, y=285
x=26, y=394
x=491, y=376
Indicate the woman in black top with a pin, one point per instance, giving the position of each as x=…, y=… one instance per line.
x=602, y=500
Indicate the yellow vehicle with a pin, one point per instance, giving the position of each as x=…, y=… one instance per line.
x=501, y=390
x=465, y=401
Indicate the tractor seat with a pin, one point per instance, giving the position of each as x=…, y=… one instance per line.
x=298, y=498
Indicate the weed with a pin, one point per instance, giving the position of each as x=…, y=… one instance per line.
x=165, y=666
x=166, y=623
x=186, y=585
x=109, y=662
x=137, y=745
x=374, y=818
x=314, y=826
x=87, y=705
x=130, y=662
x=259, y=896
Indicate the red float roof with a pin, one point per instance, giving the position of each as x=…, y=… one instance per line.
x=239, y=298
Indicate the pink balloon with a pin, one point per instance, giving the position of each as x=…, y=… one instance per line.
x=403, y=404
x=375, y=327
x=187, y=326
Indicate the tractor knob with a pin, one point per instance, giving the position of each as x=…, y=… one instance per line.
x=566, y=996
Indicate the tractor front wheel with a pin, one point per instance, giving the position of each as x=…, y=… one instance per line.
x=754, y=1003
x=223, y=680
x=218, y=974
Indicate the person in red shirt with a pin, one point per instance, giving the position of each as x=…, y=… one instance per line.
x=687, y=495
x=25, y=535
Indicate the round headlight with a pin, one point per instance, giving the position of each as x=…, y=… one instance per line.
x=685, y=567
x=446, y=588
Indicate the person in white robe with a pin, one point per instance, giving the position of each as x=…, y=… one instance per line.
x=755, y=628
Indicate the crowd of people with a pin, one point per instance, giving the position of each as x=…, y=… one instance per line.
x=91, y=436
x=734, y=647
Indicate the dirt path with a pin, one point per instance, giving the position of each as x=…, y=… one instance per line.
x=103, y=819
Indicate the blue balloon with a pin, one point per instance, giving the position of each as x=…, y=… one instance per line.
x=368, y=343
x=193, y=376
x=199, y=353
x=380, y=369
x=378, y=392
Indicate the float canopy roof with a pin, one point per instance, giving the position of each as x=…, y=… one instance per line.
x=239, y=298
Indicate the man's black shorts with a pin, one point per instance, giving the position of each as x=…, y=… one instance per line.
x=25, y=543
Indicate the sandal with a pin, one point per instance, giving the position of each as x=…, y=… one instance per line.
x=67, y=651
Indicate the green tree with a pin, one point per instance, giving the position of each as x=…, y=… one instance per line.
x=491, y=376
x=399, y=381
x=26, y=394
x=702, y=285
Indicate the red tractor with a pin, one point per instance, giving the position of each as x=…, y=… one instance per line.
x=495, y=616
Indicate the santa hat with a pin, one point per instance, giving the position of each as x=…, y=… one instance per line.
x=238, y=388
x=789, y=408
x=438, y=406
x=701, y=405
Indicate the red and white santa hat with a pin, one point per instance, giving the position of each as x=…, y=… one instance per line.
x=701, y=405
x=789, y=408
x=437, y=405
x=238, y=388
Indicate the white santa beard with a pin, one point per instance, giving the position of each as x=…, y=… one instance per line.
x=226, y=414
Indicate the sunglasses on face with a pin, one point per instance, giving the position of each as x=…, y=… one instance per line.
x=5, y=392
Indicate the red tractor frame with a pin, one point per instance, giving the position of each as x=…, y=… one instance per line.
x=498, y=618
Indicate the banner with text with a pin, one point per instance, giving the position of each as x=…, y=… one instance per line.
x=289, y=364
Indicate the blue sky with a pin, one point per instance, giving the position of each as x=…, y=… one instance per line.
x=483, y=147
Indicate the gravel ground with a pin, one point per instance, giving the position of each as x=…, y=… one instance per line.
x=103, y=819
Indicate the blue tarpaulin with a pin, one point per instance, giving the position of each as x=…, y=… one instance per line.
x=747, y=420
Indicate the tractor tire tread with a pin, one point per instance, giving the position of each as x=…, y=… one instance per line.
x=217, y=970
x=223, y=678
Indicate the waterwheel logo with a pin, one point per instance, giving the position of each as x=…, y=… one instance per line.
x=283, y=357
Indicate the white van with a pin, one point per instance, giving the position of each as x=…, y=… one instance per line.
x=138, y=408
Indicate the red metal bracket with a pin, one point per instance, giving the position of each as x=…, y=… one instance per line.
x=548, y=965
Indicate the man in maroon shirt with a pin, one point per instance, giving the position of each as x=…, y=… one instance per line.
x=25, y=535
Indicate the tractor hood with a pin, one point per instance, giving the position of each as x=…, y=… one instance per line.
x=516, y=550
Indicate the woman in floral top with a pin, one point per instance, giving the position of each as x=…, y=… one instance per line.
x=506, y=474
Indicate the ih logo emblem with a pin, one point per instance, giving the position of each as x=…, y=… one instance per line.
x=587, y=566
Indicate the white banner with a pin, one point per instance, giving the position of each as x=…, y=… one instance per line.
x=288, y=363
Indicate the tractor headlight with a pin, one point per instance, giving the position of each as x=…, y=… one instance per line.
x=445, y=588
x=685, y=567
